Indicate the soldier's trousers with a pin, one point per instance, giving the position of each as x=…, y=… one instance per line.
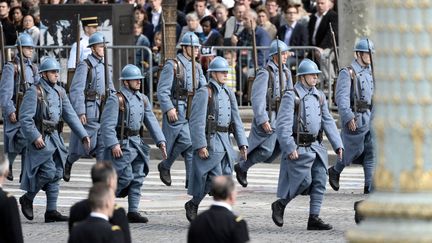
x=132, y=176
x=48, y=177
x=367, y=159
x=260, y=154
x=316, y=187
x=183, y=146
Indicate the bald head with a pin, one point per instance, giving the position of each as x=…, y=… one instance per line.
x=222, y=188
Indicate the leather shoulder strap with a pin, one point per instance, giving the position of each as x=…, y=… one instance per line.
x=121, y=99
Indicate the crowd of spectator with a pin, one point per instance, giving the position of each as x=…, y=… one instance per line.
x=216, y=23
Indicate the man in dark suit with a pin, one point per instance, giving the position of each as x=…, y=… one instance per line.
x=101, y=172
x=96, y=228
x=219, y=224
x=10, y=224
x=320, y=36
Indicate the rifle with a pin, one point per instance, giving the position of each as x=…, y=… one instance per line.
x=371, y=59
x=163, y=51
x=191, y=94
x=334, y=46
x=2, y=47
x=106, y=77
x=280, y=67
x=71, y=71
x=255, y=58
x=22, y=85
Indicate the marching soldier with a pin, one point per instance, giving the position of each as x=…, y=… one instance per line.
x=303, y=169
x=354, y=93
x=176, y=86
x=44, y=105
x=87, y=95
x=13, y=85
x=89, y=25
x=214, y=116
x=122, y=118
x=262, y=140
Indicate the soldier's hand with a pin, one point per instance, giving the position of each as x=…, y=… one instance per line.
x=267, y=127
x=352, y=125
x=293, y=155
x=243, y=152
x=203, y=153
x=340, y=153
x=86, y=143
x=116, y=151
x=172, y=115
x=162, y=148
x=83, y=119
x=12, y=117
x=39, y=143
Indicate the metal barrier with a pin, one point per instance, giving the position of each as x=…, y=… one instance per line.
x=122, y=55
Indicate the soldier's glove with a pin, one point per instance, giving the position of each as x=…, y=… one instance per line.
x=162, y=148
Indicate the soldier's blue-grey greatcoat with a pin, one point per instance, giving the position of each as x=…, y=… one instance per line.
x=43, y=168
x=263, y=147
x=133, y=166
x=359, y=143
x=86, y=98
x=14, y=141
x=221, y=153
x=177, y=133
x=309, y=171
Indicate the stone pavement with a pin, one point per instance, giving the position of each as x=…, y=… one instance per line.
x=164, y=206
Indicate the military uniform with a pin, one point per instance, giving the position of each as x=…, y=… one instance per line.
x=96, y=230
x=133, y=166
x=264, y=147
x=172, y=93
x=87, y=93
x=218, y=224
x=43, y=107
x=213, y=134
x=81, y=210
x=359, y=144
x=10, y=224
x=10, y=86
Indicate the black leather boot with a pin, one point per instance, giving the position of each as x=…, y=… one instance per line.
x=26, y=207
x=278, y=212
x=334, y=177
x=54, y=216
x=10, y=174
x=191, y=210
x=135, y=217
x=315, y=223
x=357, y=216
x=240, y=175
x=366, y=190
x=67, y=171
x=164, y=175
x=124, y=192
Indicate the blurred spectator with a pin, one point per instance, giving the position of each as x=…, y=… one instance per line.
x=192, y=25
x=273, y=10
x=154, y=13
x=16, y=17
x=157, y=49
x=142, y=56
x=234, y=25
x=15, y=3
x=293, y=33
x=30, y=28
x=8, y=28
x=264, y=22
x=246, y=3
x=212, y=37
x=221, y=14
x=142, y=19
x=212, y=4
x=231, y=81
x=200, y=8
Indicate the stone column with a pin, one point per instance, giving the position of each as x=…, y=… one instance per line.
x=400, y=209
x=354, y=22
x=169, y=8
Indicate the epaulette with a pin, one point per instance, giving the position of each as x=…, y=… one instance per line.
x=238, y=219
x=115, y=228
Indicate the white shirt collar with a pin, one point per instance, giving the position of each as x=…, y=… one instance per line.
x=316, y=14
x=99, y=215
x=222, y=204
x=159, y=12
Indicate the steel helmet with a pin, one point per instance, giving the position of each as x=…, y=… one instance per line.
x=274, y=47
x=186, y=39
x=25, y=40
x=96, y=38
x=218, y=64
x=363, y=46
x=49, y=64
x=131, y=72
x=307, y=66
